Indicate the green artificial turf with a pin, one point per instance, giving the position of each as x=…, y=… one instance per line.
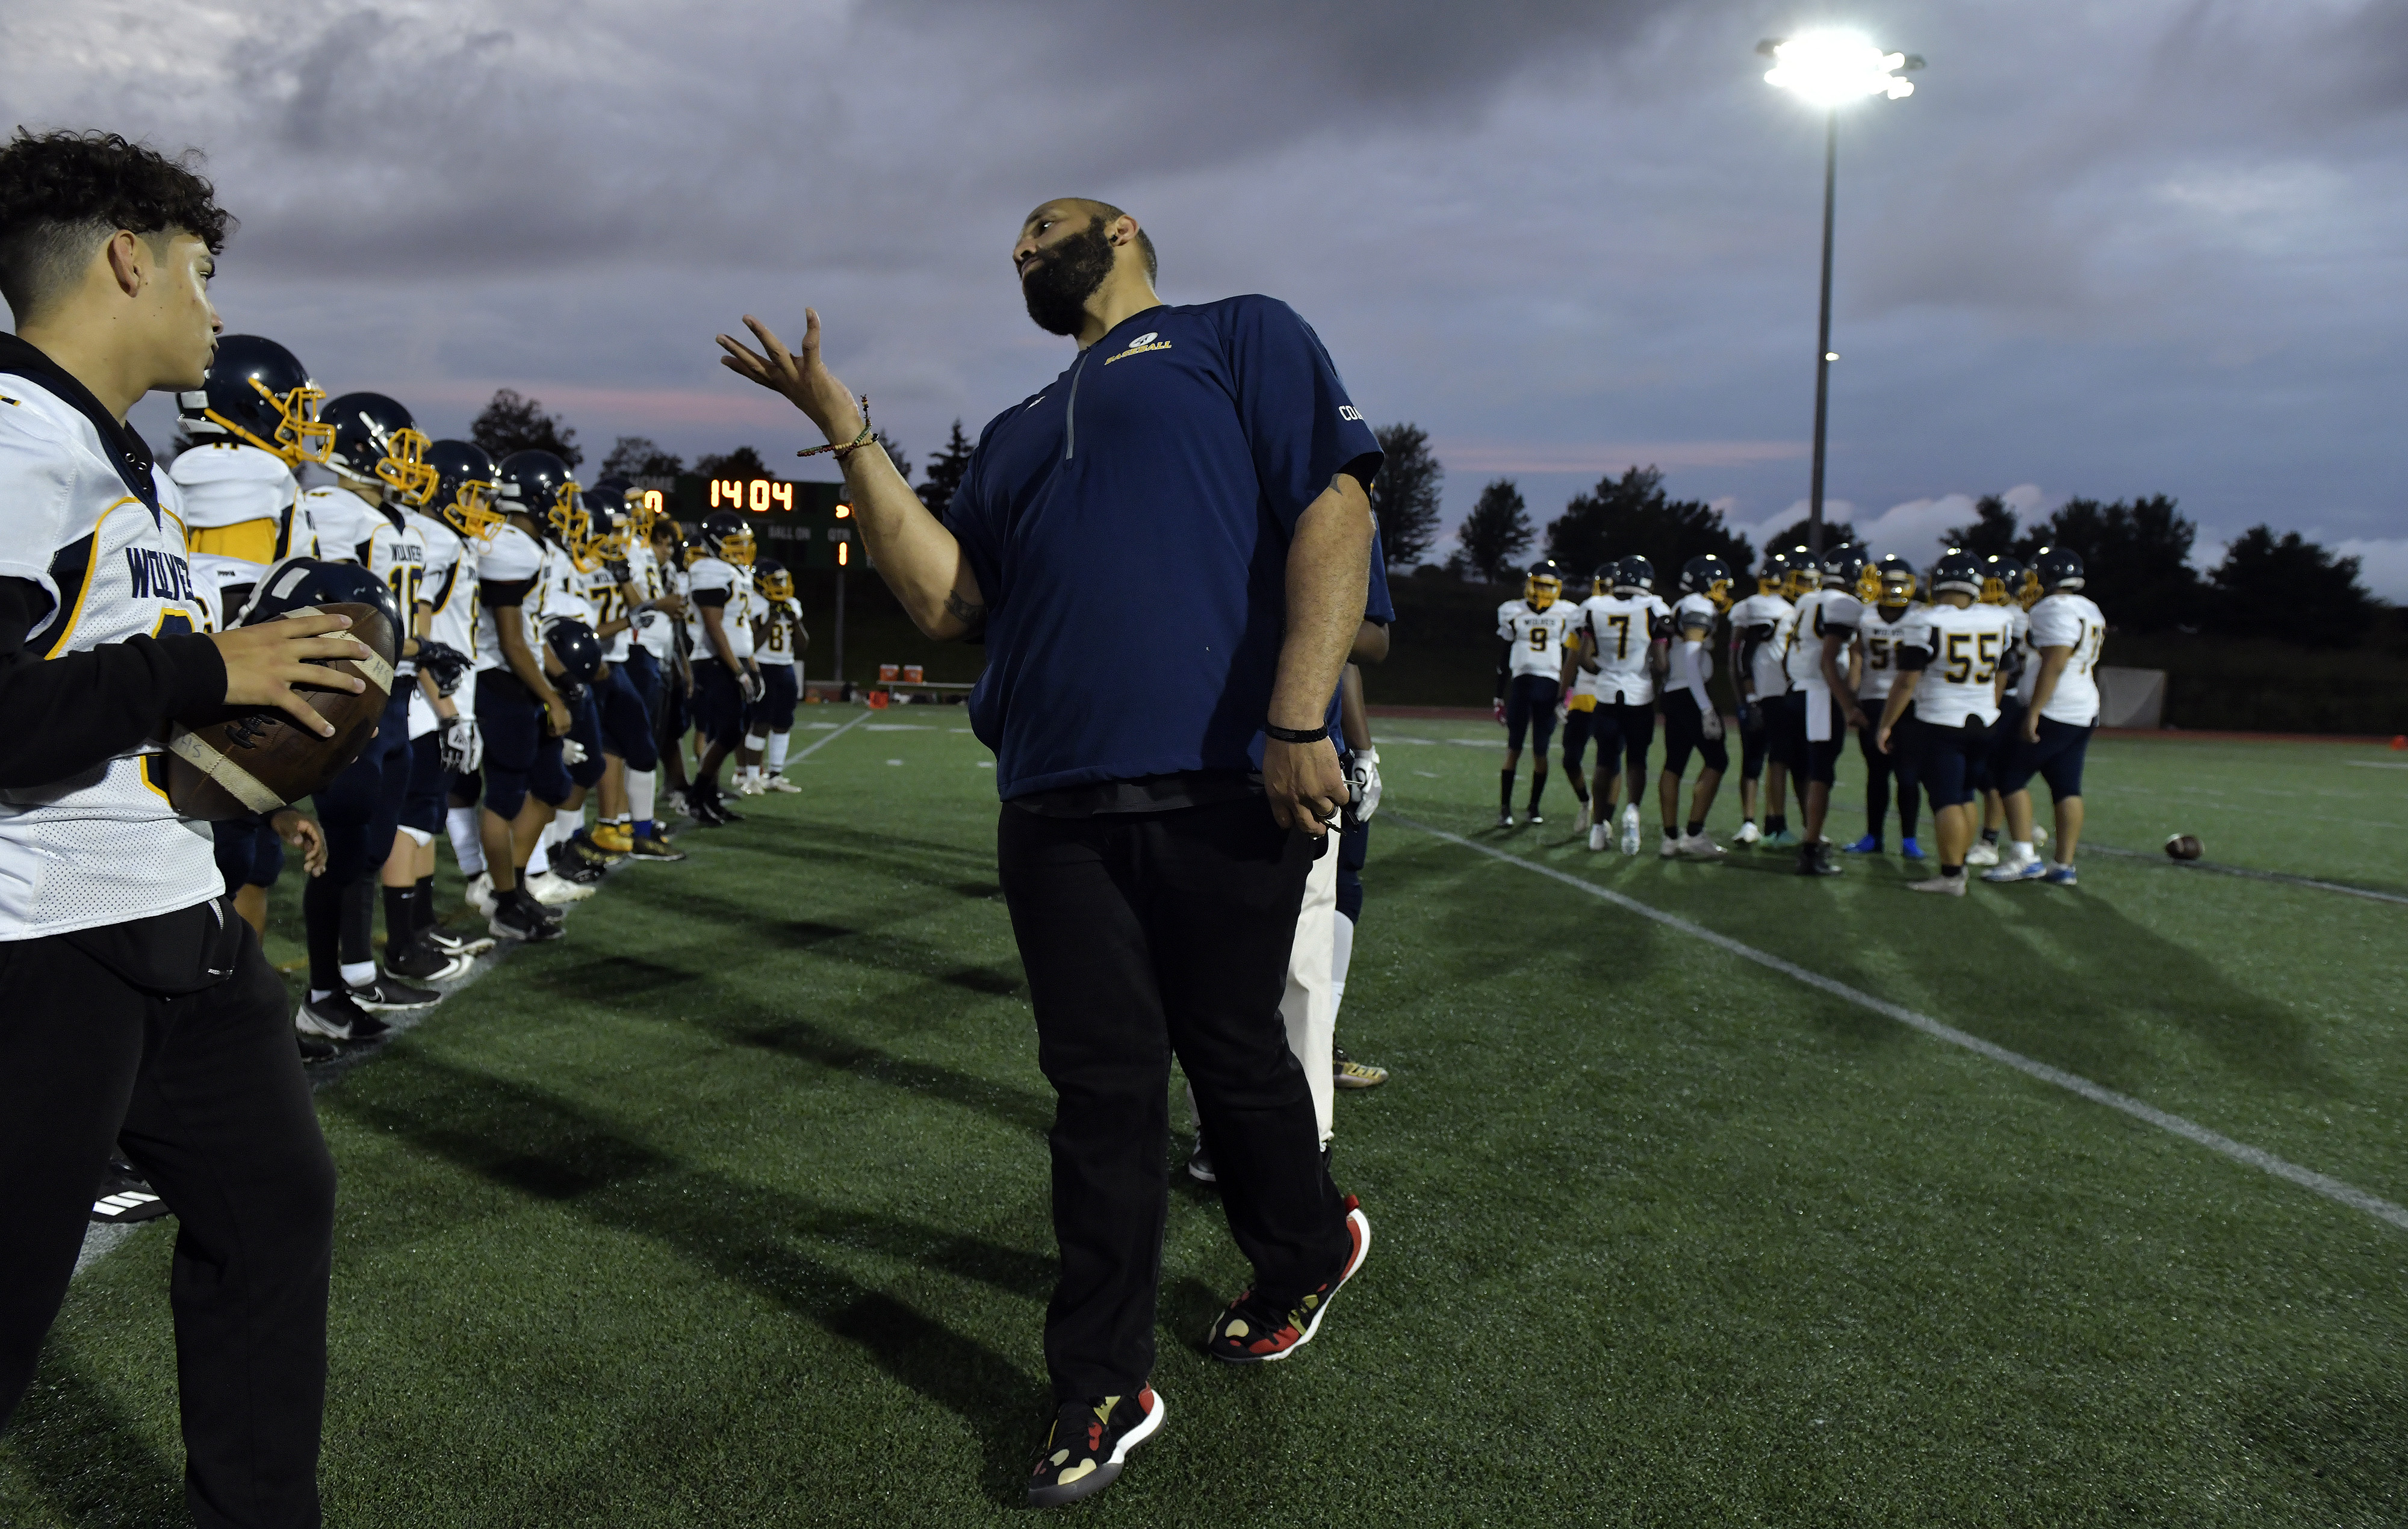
x=731, y=1208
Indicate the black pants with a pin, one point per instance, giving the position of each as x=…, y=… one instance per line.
x=1899, y=764
x=206, y=1093
x=1145, y=935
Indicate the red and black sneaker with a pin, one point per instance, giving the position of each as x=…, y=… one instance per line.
x=1089, y=1442
x=1253, y=1331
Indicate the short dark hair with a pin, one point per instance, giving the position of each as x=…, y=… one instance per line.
x=61, y=193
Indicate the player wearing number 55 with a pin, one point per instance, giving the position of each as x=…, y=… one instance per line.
x=1195, y=471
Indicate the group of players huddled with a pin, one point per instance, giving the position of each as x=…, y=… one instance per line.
x=1960, y=685
x=556, y=643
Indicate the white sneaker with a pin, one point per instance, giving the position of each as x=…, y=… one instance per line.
x=749, y=786
x=1946, y=886
x=1748, y=834
x=553, y=890
x=1668, y=848
x=2027, y=869
x=481, y=893
x=779, y=782
x=1504, y=820
x=1580, y=821
x=1700, y=847
x=1596, y=836
x=1982, y=853
x=1630, y=829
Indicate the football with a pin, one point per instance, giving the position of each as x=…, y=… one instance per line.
x=2184, y=847
x=231, y=761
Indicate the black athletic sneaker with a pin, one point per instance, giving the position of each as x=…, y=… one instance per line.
x=464, y=947
x=338, y=1017
x=126, y=1198
x=1199, y=1165
x=583, y=843
x=520, y=917
x=1817, y=859
x=1255, y=1330
x=657, y=849
x=313, y=1049
x=384, y=996
x=1088, y=1444
x=583, y=872
x=417, y=960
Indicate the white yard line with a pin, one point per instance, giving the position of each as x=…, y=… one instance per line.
x=2240, y=1152
x=823, y=743
x=2089, y=847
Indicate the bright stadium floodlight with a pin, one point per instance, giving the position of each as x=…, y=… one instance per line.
x=1831, y=69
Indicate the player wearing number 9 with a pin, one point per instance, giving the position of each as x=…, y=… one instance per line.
x=1948, y=669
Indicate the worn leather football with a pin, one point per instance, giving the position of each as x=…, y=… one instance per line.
x=2185, y=846
x=231, y=761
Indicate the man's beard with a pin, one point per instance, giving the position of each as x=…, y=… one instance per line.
x=1065, y=276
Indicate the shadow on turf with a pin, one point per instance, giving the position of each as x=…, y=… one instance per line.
x=546, y=1148
x=879, y=948
x=71, y=1445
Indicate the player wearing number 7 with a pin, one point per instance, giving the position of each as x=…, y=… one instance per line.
x=1948, y=669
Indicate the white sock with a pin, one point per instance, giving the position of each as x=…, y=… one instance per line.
x=359, y=974
x=466, y=848
x=778, y=752
x=2023, y=850
x=643, y=790
x=540, y=861
x=1342, y=956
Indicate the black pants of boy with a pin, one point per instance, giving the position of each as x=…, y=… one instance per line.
x=206, y=1094
x=1144, y=935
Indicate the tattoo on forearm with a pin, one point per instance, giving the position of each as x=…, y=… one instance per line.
x=969, y=615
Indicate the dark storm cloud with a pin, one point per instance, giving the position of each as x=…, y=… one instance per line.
x=2104, y=249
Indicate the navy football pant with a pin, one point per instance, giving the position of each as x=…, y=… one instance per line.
x=1950, y=758
x=1530, y=705
x=779, y=694
x=360, y=809
x=2055, y=757
x=627, y=720
x=248, y=853
x=718, y=704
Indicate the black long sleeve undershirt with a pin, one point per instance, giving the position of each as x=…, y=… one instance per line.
x=60, y=716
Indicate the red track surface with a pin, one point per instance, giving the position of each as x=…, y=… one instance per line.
x=2173, y=734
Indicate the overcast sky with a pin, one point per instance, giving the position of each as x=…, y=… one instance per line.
x=2109, y=247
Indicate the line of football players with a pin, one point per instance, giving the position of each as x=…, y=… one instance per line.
x=559, y=644
x=1961, y=687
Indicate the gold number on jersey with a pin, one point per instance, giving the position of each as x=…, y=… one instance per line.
x=404, y=580
x=1877, y=652
x=1621, y=626
x=1537, y=639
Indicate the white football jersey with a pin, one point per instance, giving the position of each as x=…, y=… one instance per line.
x=1693, y=619
x=1878, y=639
x=1621, y=632
x=1764, y=667
x=602, y=591
x=1536, y=636
x=103, y=847
x=2068, y=620
x=780, y=636
x=243, y=511
x=653, y=630
x=1818, y=614
x=341, y=521
x=1966, y=646
x=510, y=557
x=448, y=587
x=709, y=575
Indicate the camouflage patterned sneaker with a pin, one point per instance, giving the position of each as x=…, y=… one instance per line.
x=1088, y=1444
x=1254, y=1332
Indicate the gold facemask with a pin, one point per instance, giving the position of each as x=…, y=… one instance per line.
x=405, y=470
x=471, y=511
x=300, y=434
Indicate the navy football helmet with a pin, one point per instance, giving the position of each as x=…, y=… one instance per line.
x=1957, y=572
x=537, y=484
x=1894, y=578
x=297, y=583
x=259, y=393
x=1544, y=585
x=729, y=539
x=580, y=652
x=376, y=440
x=463, y=496
x=2057, y=568
x=773, y=580
x=1844, y=568
x=1773, y=576
x=2003, y=577
x=1709, y=576
x=1634, y=575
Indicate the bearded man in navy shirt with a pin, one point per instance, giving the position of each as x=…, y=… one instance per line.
x=1165, y=551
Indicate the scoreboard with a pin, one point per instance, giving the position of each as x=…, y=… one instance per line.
x=803, y=524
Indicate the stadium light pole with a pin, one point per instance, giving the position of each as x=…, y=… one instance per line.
x=1830, y=70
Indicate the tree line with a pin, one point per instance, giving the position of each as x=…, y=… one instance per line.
x=2137, y=553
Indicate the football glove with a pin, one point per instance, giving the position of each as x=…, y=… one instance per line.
x=571, y=751
x=1500, y=711
x=1363, y=773
x=445, y=664
x=1710, y=723
x=461, y=745
x=749, y=682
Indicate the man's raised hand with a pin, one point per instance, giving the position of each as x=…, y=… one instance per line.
x=804, y=379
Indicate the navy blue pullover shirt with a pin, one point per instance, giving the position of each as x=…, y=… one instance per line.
x=1129, y=530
